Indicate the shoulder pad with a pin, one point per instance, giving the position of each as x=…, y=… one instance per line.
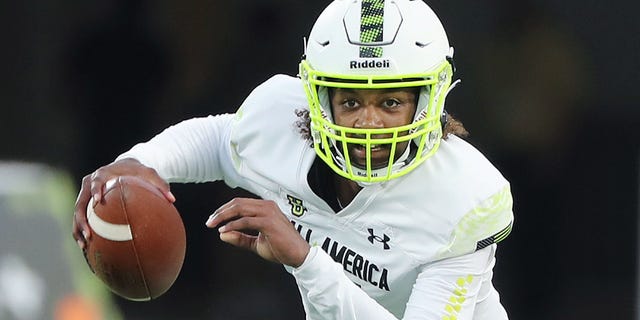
x=488, y=223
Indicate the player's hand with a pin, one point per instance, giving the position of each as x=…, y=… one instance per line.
x=276, y=241
x=93, y=186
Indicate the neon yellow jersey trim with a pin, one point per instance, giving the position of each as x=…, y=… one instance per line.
x=489, y=222
x=459, y=296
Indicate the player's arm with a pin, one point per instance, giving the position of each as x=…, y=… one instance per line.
x=200, y=149
x=190, y=151
x=332, y=294
x=457, y=288
x=458, y=284
x=447, y=289
x=329, y=294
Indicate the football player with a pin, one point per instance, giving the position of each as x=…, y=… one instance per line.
x=369, y=197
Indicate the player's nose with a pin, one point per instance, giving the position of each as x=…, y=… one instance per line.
x=369, y=117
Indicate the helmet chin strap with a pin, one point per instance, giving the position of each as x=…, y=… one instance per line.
x=405, y=158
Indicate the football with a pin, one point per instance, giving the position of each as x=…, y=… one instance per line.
x=138, y=240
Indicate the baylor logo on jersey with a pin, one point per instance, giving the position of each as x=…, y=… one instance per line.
x=297, y=208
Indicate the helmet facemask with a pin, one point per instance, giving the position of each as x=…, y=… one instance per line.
x=421, y=137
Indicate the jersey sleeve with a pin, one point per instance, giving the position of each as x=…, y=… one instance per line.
x=329, y=294
x=457, y=288
x=452, y=288
x=195, y=150
x=230, y=147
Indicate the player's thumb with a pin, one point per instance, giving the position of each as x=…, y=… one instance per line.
x=238, y=239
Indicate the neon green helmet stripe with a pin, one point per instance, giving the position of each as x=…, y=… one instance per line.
x=371, y=27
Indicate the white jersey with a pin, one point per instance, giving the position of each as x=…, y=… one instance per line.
x=417, y=247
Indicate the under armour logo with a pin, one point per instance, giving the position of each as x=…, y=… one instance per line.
x=385, y=238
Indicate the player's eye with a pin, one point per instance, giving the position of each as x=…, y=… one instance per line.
x=350, y=103
x=390, y=103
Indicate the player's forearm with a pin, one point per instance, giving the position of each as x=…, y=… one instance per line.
x=448, y=288
x=453, y=287
x=189, y=151
x=331, y=295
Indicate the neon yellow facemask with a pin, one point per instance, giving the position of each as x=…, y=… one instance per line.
x=331, y=141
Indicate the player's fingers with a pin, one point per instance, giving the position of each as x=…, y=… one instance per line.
x=97, y=188
x=169, y=196
x=164, y=188
x=237, y=207
x=239, y=239
x=80, y=229
x=241, y=224
x=161, y=185
x=152, y=176
x=258, y=207
x=79, y=235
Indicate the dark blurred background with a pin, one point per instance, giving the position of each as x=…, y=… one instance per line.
x=548, y=93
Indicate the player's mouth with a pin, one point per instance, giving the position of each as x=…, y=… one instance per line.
x=379, y=152
x=374, y=147
x=379, y=155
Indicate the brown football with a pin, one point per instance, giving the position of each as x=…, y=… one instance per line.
x=138, y=240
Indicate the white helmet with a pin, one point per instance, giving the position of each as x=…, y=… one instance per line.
x=376, y=44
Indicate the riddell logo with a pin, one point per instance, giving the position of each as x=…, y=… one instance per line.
x=370, y=64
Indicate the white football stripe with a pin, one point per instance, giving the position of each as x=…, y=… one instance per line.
x=107, y=230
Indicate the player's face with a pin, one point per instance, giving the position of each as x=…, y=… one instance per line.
x=369, y=109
